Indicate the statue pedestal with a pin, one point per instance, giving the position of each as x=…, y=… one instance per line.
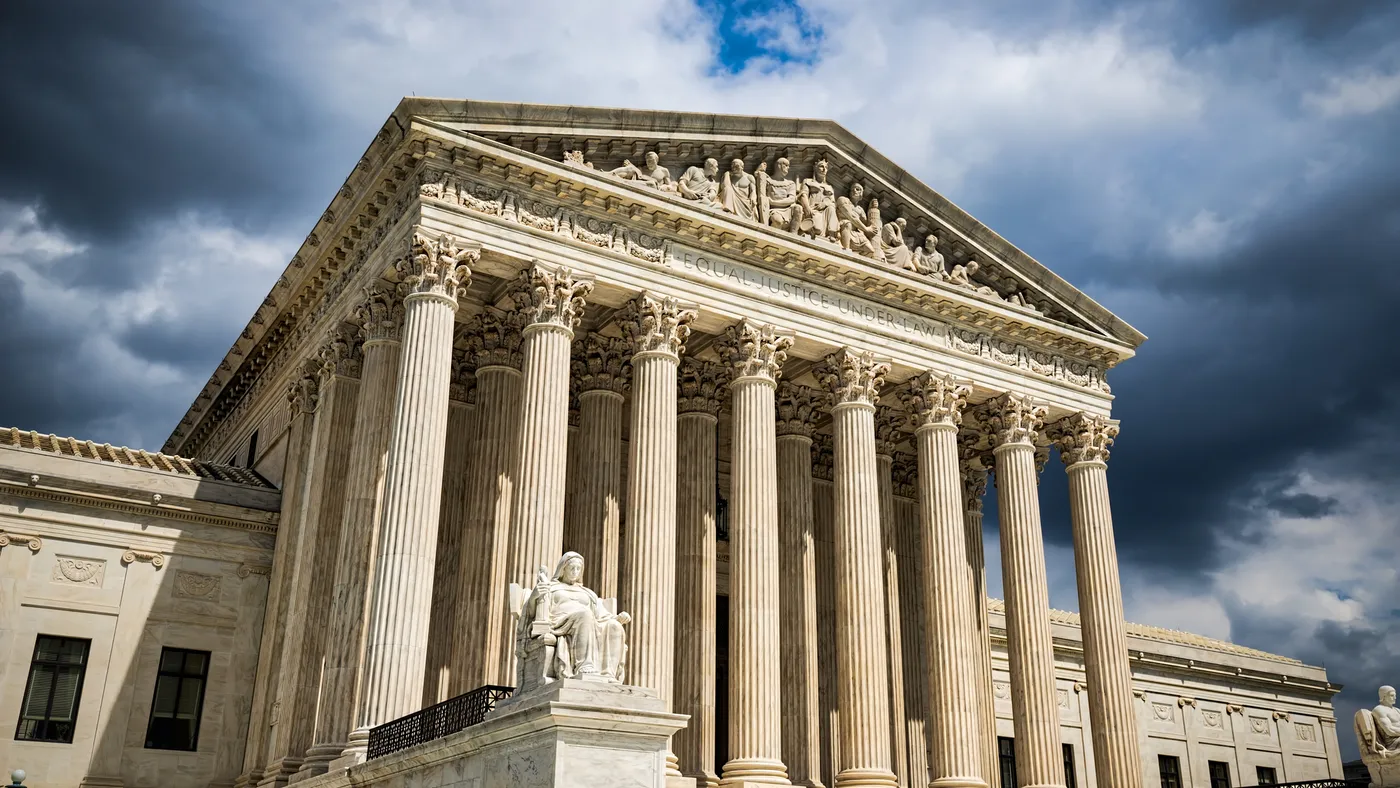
x=564, y=734
x=1385, y=771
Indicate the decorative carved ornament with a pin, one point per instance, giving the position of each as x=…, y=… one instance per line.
x=493, y=340
x=1084, y=437
x=380, y=315
x=1012, y=419
x=437, y=266
x=823, y=457
x=552, y=298
x=889, y=430
x=247, y=570
x=192, y=585
x=798, y=409
x=131, y=556
x=852, y=376
x=701, y=386
x=461, y=386
x=974, y=463
x=656, y=324
x=936, y=399
x=34, y=543
x=78, y=571
x=601, y=364
x=754, y=351
x=340, y=355
x=303, y=393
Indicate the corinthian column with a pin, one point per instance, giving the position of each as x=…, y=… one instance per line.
x=974, y=480
x=755, y=354
x=434, y=274
x=1084, y=441
x=482, y=644
x=601, y=371
x=937, y=403
x=656, y=328
x=854, y=379
x=1013, y=422
x=887, y=435
x=797, y=572
x=911, y=613
x=380, y=317
x=824, y=530
x=552, y=302
x=701, y=391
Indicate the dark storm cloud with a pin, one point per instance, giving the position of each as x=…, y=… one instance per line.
x=116, y=111
x=1312, y=19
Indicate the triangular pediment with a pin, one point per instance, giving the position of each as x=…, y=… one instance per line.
x=965, y=255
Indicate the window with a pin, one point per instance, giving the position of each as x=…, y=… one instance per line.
x=1265, y=775
x=1069, y=766
x=1006, y=757
x=50, y=709
x=1219, y=774
x=1169, y=771
x=178, y=701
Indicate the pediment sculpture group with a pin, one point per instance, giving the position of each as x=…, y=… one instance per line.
x=808, y=207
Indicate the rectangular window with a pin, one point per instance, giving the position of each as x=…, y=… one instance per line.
x=1219, y=774
x=50, y=709
x=1169, y=770
x=1069, y=766
x=1006, y=756
x=179, y=700
x=1265, y=775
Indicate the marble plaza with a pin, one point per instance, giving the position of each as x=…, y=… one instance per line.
x=753, y=375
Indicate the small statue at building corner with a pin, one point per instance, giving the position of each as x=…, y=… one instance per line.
x=1378, y=734
x=566, y=632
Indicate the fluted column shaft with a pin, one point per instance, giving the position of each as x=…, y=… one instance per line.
x=863, y=665
x=597, y=506
x=801, y=726
x=440, y=681
x=656, y=329
x=894, y=640
x=913, y=624
x=396, y=646
x=974, y=487
x=828, y=691
x=695, y=595
x=1035, y=712
x=363, y=488
x=955, y=757
x=481, y=645
x=1084, y=448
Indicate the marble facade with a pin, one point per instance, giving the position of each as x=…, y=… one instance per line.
x=782, y=383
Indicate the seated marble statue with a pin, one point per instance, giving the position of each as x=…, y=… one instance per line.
x=860, y=229
x=653, y=174
x=817, y=199
x=1378, y=734
x=566, y=632
x=699, y=184
x=928, y=260
x=961, y=275
x=738, y=193
x=897, y=254
x=777, y=197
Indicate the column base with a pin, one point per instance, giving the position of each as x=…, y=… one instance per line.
x=356, y=751
x=318, y=760
x=873, y=778
x=101, y=782
x=742, y=772
x=704, y=779
x=957, y=782
x=677, y=781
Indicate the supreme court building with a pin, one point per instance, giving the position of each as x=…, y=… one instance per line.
x=755, y=373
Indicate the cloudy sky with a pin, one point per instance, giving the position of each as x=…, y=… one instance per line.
x=1224, y=174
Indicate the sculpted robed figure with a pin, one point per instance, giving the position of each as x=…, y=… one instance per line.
x=566, y=632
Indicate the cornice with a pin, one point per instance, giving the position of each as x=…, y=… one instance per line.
x=167, y=509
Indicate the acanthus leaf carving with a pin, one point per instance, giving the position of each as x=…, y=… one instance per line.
x=340, y=355
x=437, y=266
x=380, y=315
x=936, y=399
x=701, y=386
x=550, y=297
x=798, y=409
x=754, y=350
x=852, y=376
x=601, y=363
x=656, y=324
x=493, y=340
x=1084, y=437
x=1012, y=418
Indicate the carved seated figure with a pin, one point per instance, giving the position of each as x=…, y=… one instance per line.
x=1378, y=734
x=961, y=275
x=653, y=175
x=860, y=229
x=566, y=632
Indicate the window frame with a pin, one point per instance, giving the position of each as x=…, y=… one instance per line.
x=1006, y=757
x=181, y=676
x=1211, y=768
x=1164, y=759
x=1071, y=779
x=1260, y=776
x=34, y=662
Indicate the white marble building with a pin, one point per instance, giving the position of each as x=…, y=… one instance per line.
x=764, y=399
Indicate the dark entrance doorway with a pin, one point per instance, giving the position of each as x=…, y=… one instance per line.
x=721, y=682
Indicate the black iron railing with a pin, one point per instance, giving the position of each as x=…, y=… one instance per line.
x=1330, y=783
x=435, y=722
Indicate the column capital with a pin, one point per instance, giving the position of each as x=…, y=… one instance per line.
x=852, y=376
x=462, y=385
x=550, y=297
x=380, y=314
x=493, y=340
x=906, y=475
x=798, y=407
x=754, y=350
x=340, y=354
x=601, y=364
x=304, y=390
x=974, y=463
x=936, y=399
x=1084, y=437
x=823, y=458
x=1012, y=419
x=656, y=324
x=437, y=266
x=700, y=386
x=889, y=430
